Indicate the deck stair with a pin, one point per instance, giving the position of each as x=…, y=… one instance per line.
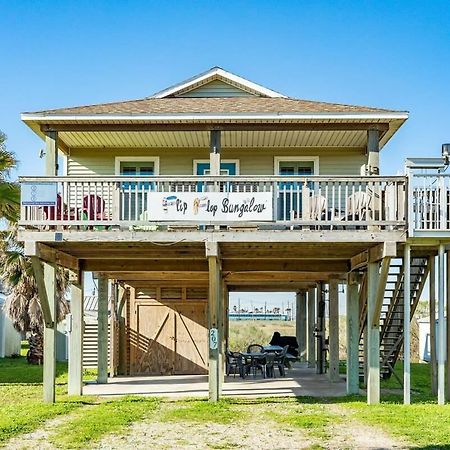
x=391, y=319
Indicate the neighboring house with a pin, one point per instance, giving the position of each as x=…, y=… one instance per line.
x=425, y=339
x=219, y=184
x=10, y=340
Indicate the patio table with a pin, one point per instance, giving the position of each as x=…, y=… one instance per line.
x=273, y=348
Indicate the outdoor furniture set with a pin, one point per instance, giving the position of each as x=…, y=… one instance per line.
x=257, y=358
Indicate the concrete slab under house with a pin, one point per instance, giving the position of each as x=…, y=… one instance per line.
x=219, y=185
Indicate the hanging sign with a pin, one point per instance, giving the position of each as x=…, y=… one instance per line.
x=210, y=206
x=38, y=194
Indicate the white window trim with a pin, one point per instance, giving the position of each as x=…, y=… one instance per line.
x=207, y=161
x=278, y=159
x=154, y=159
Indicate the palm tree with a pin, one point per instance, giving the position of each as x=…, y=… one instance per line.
x=9, y=191
x=22, y=302
x=16, y=271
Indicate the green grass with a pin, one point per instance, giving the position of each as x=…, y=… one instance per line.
x=90, y=424
x=421, y=424
x=200, y=411
x=21, y=406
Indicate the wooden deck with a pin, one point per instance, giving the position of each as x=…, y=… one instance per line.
x=299, y=381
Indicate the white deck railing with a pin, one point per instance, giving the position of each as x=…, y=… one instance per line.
x=429, y=208
x=344, y=203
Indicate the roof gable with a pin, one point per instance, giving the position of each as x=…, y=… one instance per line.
x=230, y=85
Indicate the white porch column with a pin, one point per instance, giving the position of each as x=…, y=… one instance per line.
x=441, y=331
x=311, y=321
x=407, y=325
x=214, y=152
x=300, y=324
x=373, y=336
x=334, y=331
x=51, y=153
x=352, y=335
x=75, y=380
x=432, y=295
x=447, y=388
x=102, y=321
x=373, y=152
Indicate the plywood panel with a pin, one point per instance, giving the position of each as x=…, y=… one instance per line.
x=154, y=343
x=191, y=338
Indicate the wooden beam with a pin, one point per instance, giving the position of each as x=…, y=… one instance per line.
x=102, y=320
x=50, y=332
x=373, y=336
x=300, y=324
x=272, y=287
x=51, y=153
x=44, y=301
x=269, y=277
x=386, y=249
x=407, y=325
x=52, y=255
x=76, y=329
x=215, y=329
x=160, y=277
x=352, y=336
x=333, y=344
x=381, y=288
x=359, y=261
x=373, y=151
x=441, y=332
x=248, y=126
x=447, y=384
x=311, y=324
x=143, y=265
x=214, y=152
x=432, y=300
x=300, y=265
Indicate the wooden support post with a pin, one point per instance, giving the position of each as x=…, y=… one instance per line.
x=441, y=331
x=122, y=298
x=311, y=319
x=352, y=335
x=333, y=343
x=373, y=336
x=45, y=275
x=51, y=153
x=102, y=320
x=214, y=321
x=373, y=152
x=447, y=387
x=300, y=324
x=433, y=359
x=407, y=325
x=75, y=381
x=214, y=152
x=113, y=327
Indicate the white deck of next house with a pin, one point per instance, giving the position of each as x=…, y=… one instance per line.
x=299, y=381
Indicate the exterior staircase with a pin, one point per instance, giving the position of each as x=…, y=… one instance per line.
x=391, y=319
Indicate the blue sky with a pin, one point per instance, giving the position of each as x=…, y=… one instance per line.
x=393, y=54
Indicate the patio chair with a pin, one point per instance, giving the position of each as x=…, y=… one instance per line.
x=233, y=363
x=94, y=209
x=270, y=365
x=60, y=211
x=255, y=348
x=280, y=361
x=358, y=206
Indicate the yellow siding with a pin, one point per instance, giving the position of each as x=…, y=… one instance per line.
x=90, y=162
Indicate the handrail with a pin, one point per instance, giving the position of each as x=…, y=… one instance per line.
x=209, y=178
